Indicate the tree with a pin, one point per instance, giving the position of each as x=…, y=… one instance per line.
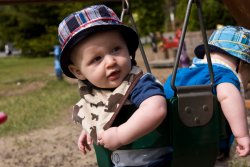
x=33, y=28
x=214, y=12
x=8, y=22
x=149, y=15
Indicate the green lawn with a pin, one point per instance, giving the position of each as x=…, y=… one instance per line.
x=31, y=95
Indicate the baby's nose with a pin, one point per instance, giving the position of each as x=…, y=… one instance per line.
x=110, y=60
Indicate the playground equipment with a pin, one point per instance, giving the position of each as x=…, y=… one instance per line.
x=170, y=43
x=196, y=115
x=195, y=124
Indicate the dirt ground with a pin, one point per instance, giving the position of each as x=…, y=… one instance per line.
x=57, y=146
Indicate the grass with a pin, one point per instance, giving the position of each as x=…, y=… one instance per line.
x=31, y=95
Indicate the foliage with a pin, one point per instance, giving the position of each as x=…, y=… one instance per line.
x=214, y=12
x=149, y=15
x=33, y=28
x=8, y=22
x=29, y=27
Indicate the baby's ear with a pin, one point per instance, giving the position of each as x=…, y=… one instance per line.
x=77, y=73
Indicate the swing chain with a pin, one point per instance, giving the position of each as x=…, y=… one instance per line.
x=204, y=37
x=126, y=10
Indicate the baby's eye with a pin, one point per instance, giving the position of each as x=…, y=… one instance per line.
x=115, y=49
x=96, y=59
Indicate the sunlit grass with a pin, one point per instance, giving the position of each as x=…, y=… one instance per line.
x=31, y=95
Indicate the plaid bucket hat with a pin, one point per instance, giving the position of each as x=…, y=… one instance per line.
x=81, y=24
x=229, y=40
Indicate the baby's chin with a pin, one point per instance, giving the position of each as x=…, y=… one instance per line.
x=111, y=85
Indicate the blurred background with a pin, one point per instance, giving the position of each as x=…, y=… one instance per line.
x=37, y=98
x=29, y=28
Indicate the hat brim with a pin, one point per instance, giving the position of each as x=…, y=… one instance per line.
x=199, y=51
x=130, y=36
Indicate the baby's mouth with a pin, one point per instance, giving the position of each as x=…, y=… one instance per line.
x=114, y=75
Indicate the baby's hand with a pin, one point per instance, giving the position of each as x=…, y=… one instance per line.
x=243, y=147
x=84, y=142
x=109, y=139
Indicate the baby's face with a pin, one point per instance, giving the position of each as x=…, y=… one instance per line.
x=103, y=59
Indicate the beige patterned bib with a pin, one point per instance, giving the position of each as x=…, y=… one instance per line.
x=98, y=108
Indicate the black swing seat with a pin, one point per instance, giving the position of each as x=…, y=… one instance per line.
x=197, y=125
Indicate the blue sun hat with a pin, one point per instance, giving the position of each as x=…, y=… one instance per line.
x=229, y=40
x=81, y=24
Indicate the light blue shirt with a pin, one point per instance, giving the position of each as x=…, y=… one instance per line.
x=198, y=74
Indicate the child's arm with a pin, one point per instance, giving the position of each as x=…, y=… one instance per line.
x=146, y=118
x=232, y=105
x=84, y=142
